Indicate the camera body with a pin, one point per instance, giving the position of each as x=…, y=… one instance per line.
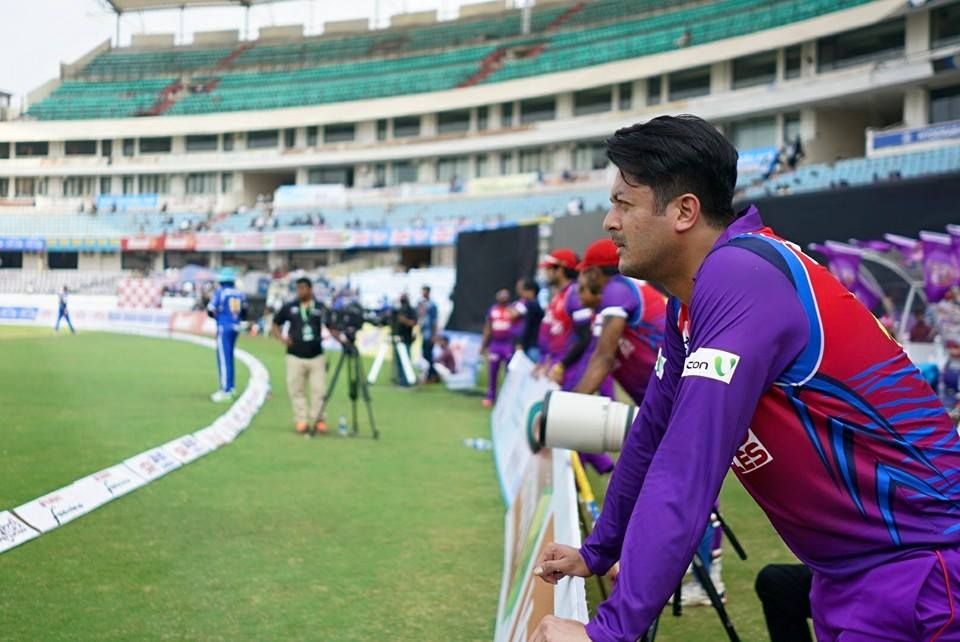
x=585, y=423
x=351, y=317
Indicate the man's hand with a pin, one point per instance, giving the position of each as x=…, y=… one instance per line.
x=556, y=373
x=554, y=629
x=559, y=561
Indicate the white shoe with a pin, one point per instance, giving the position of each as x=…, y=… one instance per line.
x=692, y=594
x=716, y=570
x=221, y=396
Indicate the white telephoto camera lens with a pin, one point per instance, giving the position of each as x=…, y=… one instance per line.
x=585, y=423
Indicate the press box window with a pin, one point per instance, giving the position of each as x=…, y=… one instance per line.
x=158, y=145
x=406, y=126
x=759, y=69
x=875, y=42
x=592, y=101
x=202, y=143
x=689, y=83
x=654, y=86
x=63, y=260
x=536, y=110
x=339, y=133
x=453, y=122
x=262, y=139
x=80, y=148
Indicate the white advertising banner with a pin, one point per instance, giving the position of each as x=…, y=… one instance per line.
x=544, y=511
x=508, y=422
x=13, y=531
x=116, y=480
x=54, y=509
x=211, y=437
x=185, y=449
x=152, y=464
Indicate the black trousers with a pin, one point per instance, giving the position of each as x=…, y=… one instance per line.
x=784, y=591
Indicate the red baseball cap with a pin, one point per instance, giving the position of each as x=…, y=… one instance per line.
x=602, y=253
x=562, y=257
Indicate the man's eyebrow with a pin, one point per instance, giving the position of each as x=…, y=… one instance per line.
x=617, y=197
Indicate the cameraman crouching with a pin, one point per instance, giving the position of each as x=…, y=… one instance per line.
x=305, y=318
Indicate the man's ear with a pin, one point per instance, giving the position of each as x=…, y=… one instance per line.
x=686, y=212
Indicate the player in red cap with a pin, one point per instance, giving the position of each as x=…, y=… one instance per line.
x=627, y=327
x=556, y=330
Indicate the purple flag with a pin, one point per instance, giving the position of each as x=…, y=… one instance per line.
x=940, y=270
x=954, y=232
x=876, y=246
x=910, y=249
x=844, y=262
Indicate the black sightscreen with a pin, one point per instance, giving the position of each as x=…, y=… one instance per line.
x=486, y=262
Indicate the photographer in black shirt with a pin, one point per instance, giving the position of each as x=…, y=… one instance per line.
x=304, y=319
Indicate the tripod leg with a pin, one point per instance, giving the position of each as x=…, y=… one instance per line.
x=330, y=388
x=353, y=372
x=365, y=391
x=700, y=571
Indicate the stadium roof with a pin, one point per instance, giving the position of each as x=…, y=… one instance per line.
x=123, y=6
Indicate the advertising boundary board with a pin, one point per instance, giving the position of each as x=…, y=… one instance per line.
x=541, y=500
x=54, y=509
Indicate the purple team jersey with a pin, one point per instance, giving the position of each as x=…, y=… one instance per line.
x=777, y=368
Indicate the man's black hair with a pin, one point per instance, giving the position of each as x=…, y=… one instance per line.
x=571, y=273
x=529, y=285
x=305, y=281
x=673, y=155
x=610, y=270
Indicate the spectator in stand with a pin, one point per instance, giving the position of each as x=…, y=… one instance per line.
x=947, y=315
x=795, y=153
x=921, y=332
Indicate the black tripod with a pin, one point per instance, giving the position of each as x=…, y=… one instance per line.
x=700, y=572
x=357, y=385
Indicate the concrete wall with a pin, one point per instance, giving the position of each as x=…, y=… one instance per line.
x=838, y=134
x=413, y=18
x=152, y=40
x=482, y=8
x=346, y=26
x=99, y=262
x=225, y=37
x=283, y=32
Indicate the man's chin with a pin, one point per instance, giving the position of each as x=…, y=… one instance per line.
x=626, y=268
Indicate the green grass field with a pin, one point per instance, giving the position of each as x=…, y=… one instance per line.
x=273, y=536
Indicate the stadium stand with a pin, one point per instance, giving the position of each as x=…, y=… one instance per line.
x=859, y=171
x=49, y=282
x=197, y=81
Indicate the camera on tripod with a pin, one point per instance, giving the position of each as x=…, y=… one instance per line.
x=349, y=319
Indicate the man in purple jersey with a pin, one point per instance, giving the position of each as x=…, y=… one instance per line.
x=768, y=363
x=499, y=339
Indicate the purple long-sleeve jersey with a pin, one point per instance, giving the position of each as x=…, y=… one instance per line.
x=775, y=367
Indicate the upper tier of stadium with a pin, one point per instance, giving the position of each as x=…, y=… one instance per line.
x=260, y=75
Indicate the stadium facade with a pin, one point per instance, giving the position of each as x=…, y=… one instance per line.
x=496, y=117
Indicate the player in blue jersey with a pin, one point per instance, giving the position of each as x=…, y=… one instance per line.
x=770, y=363
x=228, y=307
x=62, y=313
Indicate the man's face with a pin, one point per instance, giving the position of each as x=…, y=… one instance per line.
x=426, y=293
x=585, y=290
x=552, y=274
x=303, y=291
x=592, y=277
x=503, y=297
x=642, y=234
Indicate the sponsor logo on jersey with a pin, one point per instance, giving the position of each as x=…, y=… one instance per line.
x=658, y=367
x=751, y=455
x=711, y=363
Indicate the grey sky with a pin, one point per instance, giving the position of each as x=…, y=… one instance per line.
x=37, y=35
